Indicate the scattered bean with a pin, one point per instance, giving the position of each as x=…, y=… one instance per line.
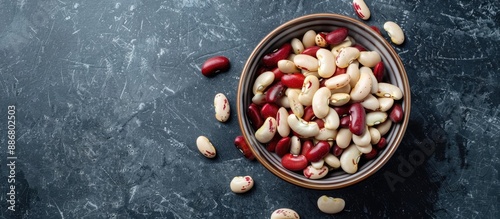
x=361, y=9
x=222, y=108
x=205, y=147
x=330, y=205
x=241, y=184
x=215, y=65
x=395, y=32
x=285, y=213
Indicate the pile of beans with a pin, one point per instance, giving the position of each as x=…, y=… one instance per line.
x=321, y=103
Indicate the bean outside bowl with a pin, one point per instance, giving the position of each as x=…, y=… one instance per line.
x=364, y=35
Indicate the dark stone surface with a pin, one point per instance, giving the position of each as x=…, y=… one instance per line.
x=109, y=101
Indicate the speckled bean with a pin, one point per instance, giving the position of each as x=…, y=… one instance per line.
x=205, y=147
x=241, y=184
x=312, y=173
x=284, y=213
x=222, y=108
x=266, y=132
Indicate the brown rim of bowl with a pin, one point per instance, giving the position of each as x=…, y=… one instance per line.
x=380, y=160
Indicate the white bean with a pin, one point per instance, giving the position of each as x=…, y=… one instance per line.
x=330, y=205
x=332, y=161
x=395, y=32
x=302, y=127
x=293, y=99
x=306, y=62
x=346, y=56
x=363, y=86
x=326, y=134
x=337, y=81
x=262, y=81
x=320, y=102
x=350, y=158
x=369, y=58
x=389, y=90
x=370, y=102
x=363, y=139
x=375, y=118
x=297, y=46
x=295, y=145
x=287, y=66
x=385, y=103
x=309, y=39
x=332, y=120
x=326, y=63
x=344, y=137
x=339, y=99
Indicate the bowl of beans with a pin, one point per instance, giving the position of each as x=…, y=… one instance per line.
x=323, y=101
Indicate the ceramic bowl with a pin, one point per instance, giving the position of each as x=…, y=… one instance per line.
x=363, y=35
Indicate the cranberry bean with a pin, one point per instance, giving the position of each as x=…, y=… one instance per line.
x=361, y=9
x=281, y=119
x=311, y=172
x=337, y=36
x=284, y=213
x=294, y=80
x=253, y=113
x=222, y=107
x=357, y=125
x=215, y=65
x=318, y=151
x=283, y=146
x=241, y=184
x=266, y=132
x=311, y=51
x=269, y=110
x=396, y=114
x=294, y=162
x=275, y=92
x=243, y=147
x=378, y=71
x=271, y=59
x=205, y=147
x=320, y=40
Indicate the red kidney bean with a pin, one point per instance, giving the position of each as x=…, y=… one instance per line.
x=277, y=74
x=243, y=147
x=269, y=110
x=396, y=114
x=283, y=146
x=337, y=36
x=378, y=71
x=381, y=143
x=271, y=59
x=253, y=113
x=339, y=71
x=294, y=162
x=215, y=65
x=318, y=151
x=358, y=120
x=271, y=145
x=337, y=151
x=359, y=47
x=345, y=121
x=342, y=110
x=307, y=145
x=320, y=122
x=311, y=51
x=376, y=29
x=261, y=70
x=275, y=92
x=294, y=80
x=308, y=114
x=370, y=155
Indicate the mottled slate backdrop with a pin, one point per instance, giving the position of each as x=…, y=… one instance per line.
x=110, y=100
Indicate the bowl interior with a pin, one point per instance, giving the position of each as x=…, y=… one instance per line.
x=364, y=35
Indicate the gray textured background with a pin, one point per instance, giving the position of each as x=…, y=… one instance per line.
x=110, y=100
